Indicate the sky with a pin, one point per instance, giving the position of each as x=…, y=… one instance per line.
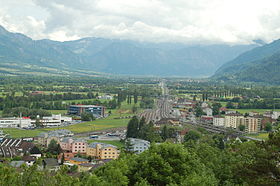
x=186, y=21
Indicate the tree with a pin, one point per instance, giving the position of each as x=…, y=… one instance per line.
x=54, y=147
x=268, y=127
x=241, y=127
x=198, y=111
x=192, y=135
x=230, y=105
x=134, y=109
x=85, y=116
x=132, y=128
x=216, y=108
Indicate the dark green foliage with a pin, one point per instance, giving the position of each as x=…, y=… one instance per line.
x=268, y=127
x=241, y=127
x=85, y=116
x=192, y=136
x=216, y=107
x=54, y=148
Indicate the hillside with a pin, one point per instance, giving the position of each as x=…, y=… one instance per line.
x=261, y=64
x=19, y=53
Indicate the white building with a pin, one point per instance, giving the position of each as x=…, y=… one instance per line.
x=218, y=121
x=54, y=120
x=275, y=114
x=107, y=97
x=14, y=122
x=208, y=111
x=234, y=120
x=138, y=145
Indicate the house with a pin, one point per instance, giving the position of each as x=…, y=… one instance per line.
x=272, y=114
x=35, y=152
x=50, y=164
x=17, y=164
x=219, y=121
x=207, y=119
x=77, y=160
x=10, y=147
x=102, y=151
x=85, y=167
x=230, y=112
x=67, y=156
x=29, y=160
x=138, y=145
x=79, y=146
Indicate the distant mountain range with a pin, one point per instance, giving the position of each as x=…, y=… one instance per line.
x=20, y=54
x=261, y=64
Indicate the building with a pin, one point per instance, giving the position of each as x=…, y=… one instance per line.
x=97, y=111
x=253, y=124
x=102, y=151
x=208, y=111
x=53, y=120
x=66, y=144
x=23, y=122
x=219, y=121
x=46, y=137
x=50, y=164
x=78, y=161
x=10, y=147
x=79, y=146
x=272, y=114
x=234, y=120
x=138, y=145
x=107, y=97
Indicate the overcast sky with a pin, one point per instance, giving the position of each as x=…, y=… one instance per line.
x=189, y=21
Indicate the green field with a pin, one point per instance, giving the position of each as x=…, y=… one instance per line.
x=96, y=125
x=62, y=112
x=115, y=143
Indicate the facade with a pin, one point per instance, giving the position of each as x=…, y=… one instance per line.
x=138, y=145
x=218, y=121
x=24, y=122
x=54, y=120
x=46, y=137
x=252, y=124
x=66, y=144
x=97, y=111
x=79, y=146
x=102, y=151
x=234, y=120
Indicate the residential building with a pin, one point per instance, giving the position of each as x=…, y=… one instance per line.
x=79, y=146
x=252, y=124
x=219, y=121
x=67, y=156
x=66, y=144
x=102, y=151
x=46, y=137
x=234, y=120
x=272, y=114
x=230, y=112
x=23, y=122
x=50, y=164
x=96, y=111
x=138, y=145
x=10, y=147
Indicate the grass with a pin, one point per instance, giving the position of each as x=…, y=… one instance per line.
x=115, y=143
x=263, y=136
x=100, y=124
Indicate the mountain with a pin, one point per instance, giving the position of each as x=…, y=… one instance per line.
x=19, y=53
x=261, y=64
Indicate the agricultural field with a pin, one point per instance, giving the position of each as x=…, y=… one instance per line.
x=261, y=111
x=62, y=112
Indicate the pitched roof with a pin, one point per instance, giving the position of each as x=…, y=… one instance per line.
x=50, y=162
x=78, y=159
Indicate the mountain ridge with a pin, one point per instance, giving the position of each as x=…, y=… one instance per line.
x=116, y=56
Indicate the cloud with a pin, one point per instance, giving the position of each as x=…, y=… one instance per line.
x=192, y=21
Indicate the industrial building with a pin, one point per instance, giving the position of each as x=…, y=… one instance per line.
x=97, y=111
